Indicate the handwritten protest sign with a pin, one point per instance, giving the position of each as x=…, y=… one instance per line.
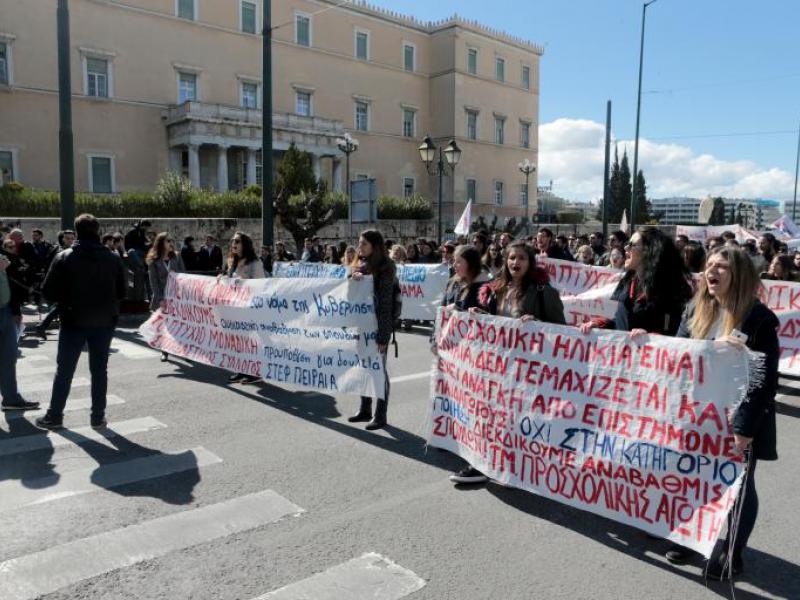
x=585, y=290
x=783, y=298
x=421, y=286
x=638, y=433
x=318, y=334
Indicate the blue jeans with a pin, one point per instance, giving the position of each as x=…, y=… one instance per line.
x=71, y=341
x=8, y=358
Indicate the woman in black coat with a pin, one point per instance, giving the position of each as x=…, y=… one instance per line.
x=726, y=301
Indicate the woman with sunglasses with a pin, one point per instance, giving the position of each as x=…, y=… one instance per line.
x=162, y=260
x=493, y=260
x=653, y=292
x=243, y=263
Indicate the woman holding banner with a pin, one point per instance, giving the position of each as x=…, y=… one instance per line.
x=162, y=260
x=653, y=292
x=520, y=291
x=243, y=263
x=374, y=260
x=726, y=308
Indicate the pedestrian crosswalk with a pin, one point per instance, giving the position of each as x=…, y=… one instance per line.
x=111, y=459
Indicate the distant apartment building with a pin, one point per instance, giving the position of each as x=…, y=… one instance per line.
x=176, y=85
x=756, y=213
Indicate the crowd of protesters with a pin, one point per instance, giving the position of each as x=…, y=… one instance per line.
x=83, y=279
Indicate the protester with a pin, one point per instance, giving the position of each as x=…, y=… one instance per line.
x=412, y=254
x=10, y=320
x=546, y=245
x=427, y=253
x=797, y=260
x=118, y=245
x=521, y=291
x=563, y=244
x=398, y=254
x=767, y=248
x=243, y=263
x=372, y=260
x=694, y=257
x=310, y=253
x=714, y=241
x=617, y=259
x=87, y=281
x=596, y=243
x=448, y=253
x=654, y=290
x=681, y=241
x=616, y=240
x=727, y=301
x=161, y=261
x=781, y=268
x=350, y=256
x=332, y=255
x=210, y=256
x=493, y=259
x=189, y=256
x=585, y=255
x=480, y=242
x=108, y=241
x=282, y=254
x=266, y=260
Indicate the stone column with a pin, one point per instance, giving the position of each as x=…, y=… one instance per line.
x=175, y=163
x=251, y=166
x=222, y=168
x=194, y=165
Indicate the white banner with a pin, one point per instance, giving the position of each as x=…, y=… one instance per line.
x=585, y=289
x=635, y=432
x=318, y=334
x=421, y=285
x=783, y=298
x=700, y=233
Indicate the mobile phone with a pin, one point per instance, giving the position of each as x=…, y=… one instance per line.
x=739, y=335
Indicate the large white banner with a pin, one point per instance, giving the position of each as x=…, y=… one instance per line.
x=585, y=290
x=783, y=298
x=636, y=432
x=700, y=233
x=313, y=333
x=421, y=285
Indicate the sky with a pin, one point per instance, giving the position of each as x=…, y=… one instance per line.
x=720, y=92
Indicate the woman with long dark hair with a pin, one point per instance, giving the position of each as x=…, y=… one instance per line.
x=332, y=255
x=374, y=260
x=653, y=292
x=243, y=263
x=781, y=268
x=161, y=260
x=521, y=291
x=726, y=302
x=493, y=259
x=412, y=254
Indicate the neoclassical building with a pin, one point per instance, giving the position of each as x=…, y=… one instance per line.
x=176, y=85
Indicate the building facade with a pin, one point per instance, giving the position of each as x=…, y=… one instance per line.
x=753, y=214
x=176, y=85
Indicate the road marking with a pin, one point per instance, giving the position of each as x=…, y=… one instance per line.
x=45, y=572
x=411, y=377
x=35, y=358
x=370, y=577
x=46, y=386
x=131, y=349
x=28, y=371
x=72, y=405
x=72, y=437
x=83, y=481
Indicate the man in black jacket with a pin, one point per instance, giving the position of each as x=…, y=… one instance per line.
x=87, y=281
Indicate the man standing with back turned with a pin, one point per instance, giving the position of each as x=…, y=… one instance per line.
x=88, y=281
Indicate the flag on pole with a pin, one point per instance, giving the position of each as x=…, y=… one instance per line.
x=462, y=227
x=623, y=224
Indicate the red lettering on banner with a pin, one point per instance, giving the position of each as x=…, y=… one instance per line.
x=411, y=290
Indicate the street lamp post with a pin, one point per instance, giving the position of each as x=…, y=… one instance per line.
x=448, y=157
x=348, y=144
x=638, y=112
x=527, y=167
x=65, y=140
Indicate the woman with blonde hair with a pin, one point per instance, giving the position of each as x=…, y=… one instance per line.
x=398, y=254
x=349, y=256
x=161, y=260
x=726, y=307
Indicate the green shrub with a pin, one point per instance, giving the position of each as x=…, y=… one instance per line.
x=413, y=207
x=253, y=190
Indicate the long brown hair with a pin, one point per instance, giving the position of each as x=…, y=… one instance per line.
x=157, y=250
x=536, y=275
x=377, y=263
x=736, y=303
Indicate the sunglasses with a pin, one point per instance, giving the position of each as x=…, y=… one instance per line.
x=630, y=246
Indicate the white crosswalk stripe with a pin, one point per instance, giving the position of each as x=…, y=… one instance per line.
x=369, y=577
x=67, y=437
x=131, y=350
x=47, y=384
x=44, y=572
x=37, y=370
x=72, y=405
x=13, y=495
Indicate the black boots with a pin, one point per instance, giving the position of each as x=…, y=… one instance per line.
x=364, y=413
x=379, y=420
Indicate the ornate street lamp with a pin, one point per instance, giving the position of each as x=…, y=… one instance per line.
x=449, y=157
x=527, y=167
x=348, y=144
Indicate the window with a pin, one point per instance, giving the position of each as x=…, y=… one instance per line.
x=526, y=77
x=259, y=168
x=472, y=189
x=362, y=115
x=408, y=187
x=409, y=53
x=96, y=77
x=187, y=87
x=523, y=194
x=409, y=118
x=5, y=78
x=472, y=124
x=249, y=94
x=499, y=69
x=472, y=61
x=524, y=134
x=498, y=192
x=248, y=16
x=186, y=9
x=101, y=174
x=302, y=29
x=6, y=167
x=362, y=45
x=303, y=103
x=499, y=130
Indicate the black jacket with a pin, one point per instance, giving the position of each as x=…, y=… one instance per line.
x=17, y=274
x=541, y=301
x=87, y=281
x=755, y=417
x=636, y=311
x=209, y=260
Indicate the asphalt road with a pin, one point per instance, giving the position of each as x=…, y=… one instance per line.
x=202, y=490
